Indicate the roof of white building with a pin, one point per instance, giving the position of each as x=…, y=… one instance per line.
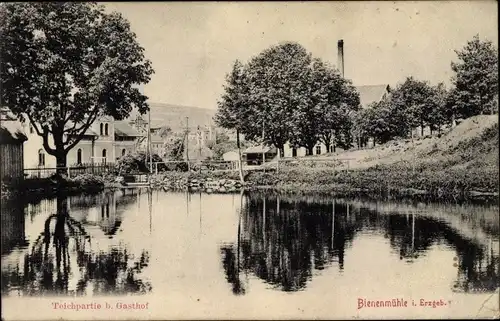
x=371, y=93
x=122, y=128
x=259, y=149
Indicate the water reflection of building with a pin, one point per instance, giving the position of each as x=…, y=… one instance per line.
x=13, y=224
x=103, y=210
x=282, y=241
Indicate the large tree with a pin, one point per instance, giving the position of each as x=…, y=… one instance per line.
x=277, y=85
x=326, y=115
x=476, y=78
x=65, y=64
x=409, y=105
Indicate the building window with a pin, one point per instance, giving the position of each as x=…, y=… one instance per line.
x=104, y=152
x=41, y=157
x=31, y=129
x=101, y=129
x=123, y=152
x=318, y=150
x=106, y=133
x=79, y=156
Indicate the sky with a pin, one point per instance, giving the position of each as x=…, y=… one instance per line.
x=192, y=45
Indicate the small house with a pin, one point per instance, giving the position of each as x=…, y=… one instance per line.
x=12, y=138
x=255, y=155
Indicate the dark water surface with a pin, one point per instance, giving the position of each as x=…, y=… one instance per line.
x=135, y=242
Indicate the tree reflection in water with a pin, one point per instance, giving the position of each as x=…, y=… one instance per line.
x=62, y=255
x=283, y=241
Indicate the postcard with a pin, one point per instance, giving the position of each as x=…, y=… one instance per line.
x=249, y=160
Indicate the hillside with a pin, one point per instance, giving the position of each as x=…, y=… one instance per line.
x=174, y=116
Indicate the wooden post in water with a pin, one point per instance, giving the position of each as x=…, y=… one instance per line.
x=333, y=221
x=413, y=153
x=240, y=168
x=412, y=233
x=150, y=152
x=264, y=220
x=187, y=143
x=263, y=153
x=277, y=204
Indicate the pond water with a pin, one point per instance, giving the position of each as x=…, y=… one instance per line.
x=198, y=255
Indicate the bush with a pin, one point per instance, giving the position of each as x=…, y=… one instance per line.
x=138, y=163
x=87, y=180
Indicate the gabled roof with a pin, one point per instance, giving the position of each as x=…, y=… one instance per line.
x=259, y=150
x=122, y=128
x=11, y=131
x=371, y=93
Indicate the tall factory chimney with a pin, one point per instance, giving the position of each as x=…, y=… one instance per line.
x=340, y=62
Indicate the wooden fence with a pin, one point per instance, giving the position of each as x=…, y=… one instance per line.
x=158, y=167
x=70, y=171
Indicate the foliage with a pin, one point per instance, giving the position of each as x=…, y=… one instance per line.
x=232, y=105
x=66, y=64
x=476, y=78
x=409, y=104
x=164, y=131
x=138, y=163
x=219, y=149
x=382, y=122
x=221, y=138
x=174, y=148
x=88, y=180
x=278, y=86
x=284, y=95
x=326, y=116
x=437, y=108
x=412, y=103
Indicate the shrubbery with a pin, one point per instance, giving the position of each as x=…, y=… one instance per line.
x=138, y=163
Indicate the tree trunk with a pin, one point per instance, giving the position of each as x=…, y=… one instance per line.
x=422, y=129
x=310, y=150
x=327, y=148
x=240, y=165
x=61, y=162
x=334, y=148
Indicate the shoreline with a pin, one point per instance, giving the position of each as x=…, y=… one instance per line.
x=324, y=182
